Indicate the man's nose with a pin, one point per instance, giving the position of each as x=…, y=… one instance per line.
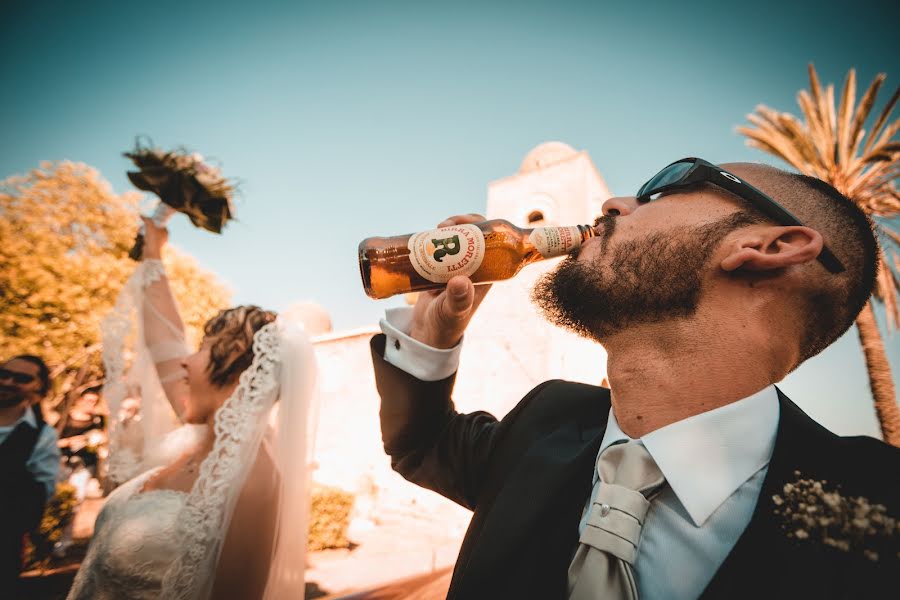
x=620, y=206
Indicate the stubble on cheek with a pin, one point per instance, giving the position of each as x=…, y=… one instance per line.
x=607, y=227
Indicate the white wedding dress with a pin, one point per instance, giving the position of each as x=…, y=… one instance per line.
x=135, y=540
x=165, y=544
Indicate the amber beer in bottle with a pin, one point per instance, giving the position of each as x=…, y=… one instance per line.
x=484, y=252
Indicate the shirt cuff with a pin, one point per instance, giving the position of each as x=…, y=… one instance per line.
x=419, y=360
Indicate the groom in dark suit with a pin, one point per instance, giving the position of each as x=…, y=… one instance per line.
x=695, y=476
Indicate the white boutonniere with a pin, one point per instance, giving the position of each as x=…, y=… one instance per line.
x=814, y=512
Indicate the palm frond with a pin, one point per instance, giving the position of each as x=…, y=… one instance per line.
x=827, y=142
x=799, y=137
x=889, y=132
x=885, y=203
x=882, y=119
x=771, y=135
x=816, y=126
x=789, y=127
x=760, y=144
x=896, y=262
x=832, y=119
x=855, y=166
x=888, y=232
x=863, y=110
x=872, y=180
x=882, y=154
x=815, y=89
x=845, y=114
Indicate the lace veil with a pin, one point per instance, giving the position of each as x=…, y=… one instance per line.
x=283, y=369
x=273, y=404
x=153, y=435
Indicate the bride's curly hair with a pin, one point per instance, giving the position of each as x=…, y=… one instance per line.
x=231, y=332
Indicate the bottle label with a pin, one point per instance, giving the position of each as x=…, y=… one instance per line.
x=441, y=254
x=555, y=241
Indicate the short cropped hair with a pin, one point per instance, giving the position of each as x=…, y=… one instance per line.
x=231, y=333
x=832, y=307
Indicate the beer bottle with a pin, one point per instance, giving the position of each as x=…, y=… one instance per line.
x=485, y=252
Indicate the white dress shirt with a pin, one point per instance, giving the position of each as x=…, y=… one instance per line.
x=714, y=464
x=44, y=460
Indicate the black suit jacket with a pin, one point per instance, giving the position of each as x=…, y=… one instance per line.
x=528, y=477
x=22, y=499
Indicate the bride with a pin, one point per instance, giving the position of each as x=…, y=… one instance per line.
x=218, y=507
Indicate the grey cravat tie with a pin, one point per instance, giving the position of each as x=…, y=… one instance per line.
x=602, y=566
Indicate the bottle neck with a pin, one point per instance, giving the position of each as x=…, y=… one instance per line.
x=587, y=232
x=558, y=241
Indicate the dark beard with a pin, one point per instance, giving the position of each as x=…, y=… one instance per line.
x=10, y=396
x=650, y=280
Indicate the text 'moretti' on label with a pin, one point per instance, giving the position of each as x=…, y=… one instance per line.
x=441, y=254
x=555, y=241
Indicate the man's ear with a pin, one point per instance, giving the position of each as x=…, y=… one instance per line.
x=772, y=248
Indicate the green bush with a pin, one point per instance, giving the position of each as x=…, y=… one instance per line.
x=329, y=518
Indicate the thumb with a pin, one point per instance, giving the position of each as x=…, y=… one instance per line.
x=459, y=298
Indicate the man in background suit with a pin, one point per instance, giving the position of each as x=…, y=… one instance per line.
x=29, y=460
x=704, y=297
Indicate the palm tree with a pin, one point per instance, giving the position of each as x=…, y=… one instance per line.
x=831, y=145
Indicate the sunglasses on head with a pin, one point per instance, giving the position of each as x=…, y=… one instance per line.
x=17, y=377
x=691, y=171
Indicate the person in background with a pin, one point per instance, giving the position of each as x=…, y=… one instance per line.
x=85, y=415
x=29, y=460
x=85, y=429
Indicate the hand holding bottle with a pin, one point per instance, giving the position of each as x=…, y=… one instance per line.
x=445, y=263
x=440, y=317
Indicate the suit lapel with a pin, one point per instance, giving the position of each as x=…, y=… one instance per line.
x=542, y=496
x=764, y=559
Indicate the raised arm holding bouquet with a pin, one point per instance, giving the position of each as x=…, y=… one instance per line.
x=184, y=183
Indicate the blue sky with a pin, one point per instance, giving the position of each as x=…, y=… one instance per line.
x=350, y=119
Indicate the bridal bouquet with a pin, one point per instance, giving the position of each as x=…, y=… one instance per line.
x=185, y=183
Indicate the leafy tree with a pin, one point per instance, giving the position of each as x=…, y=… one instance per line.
x=832, y=145
x=64, y=241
